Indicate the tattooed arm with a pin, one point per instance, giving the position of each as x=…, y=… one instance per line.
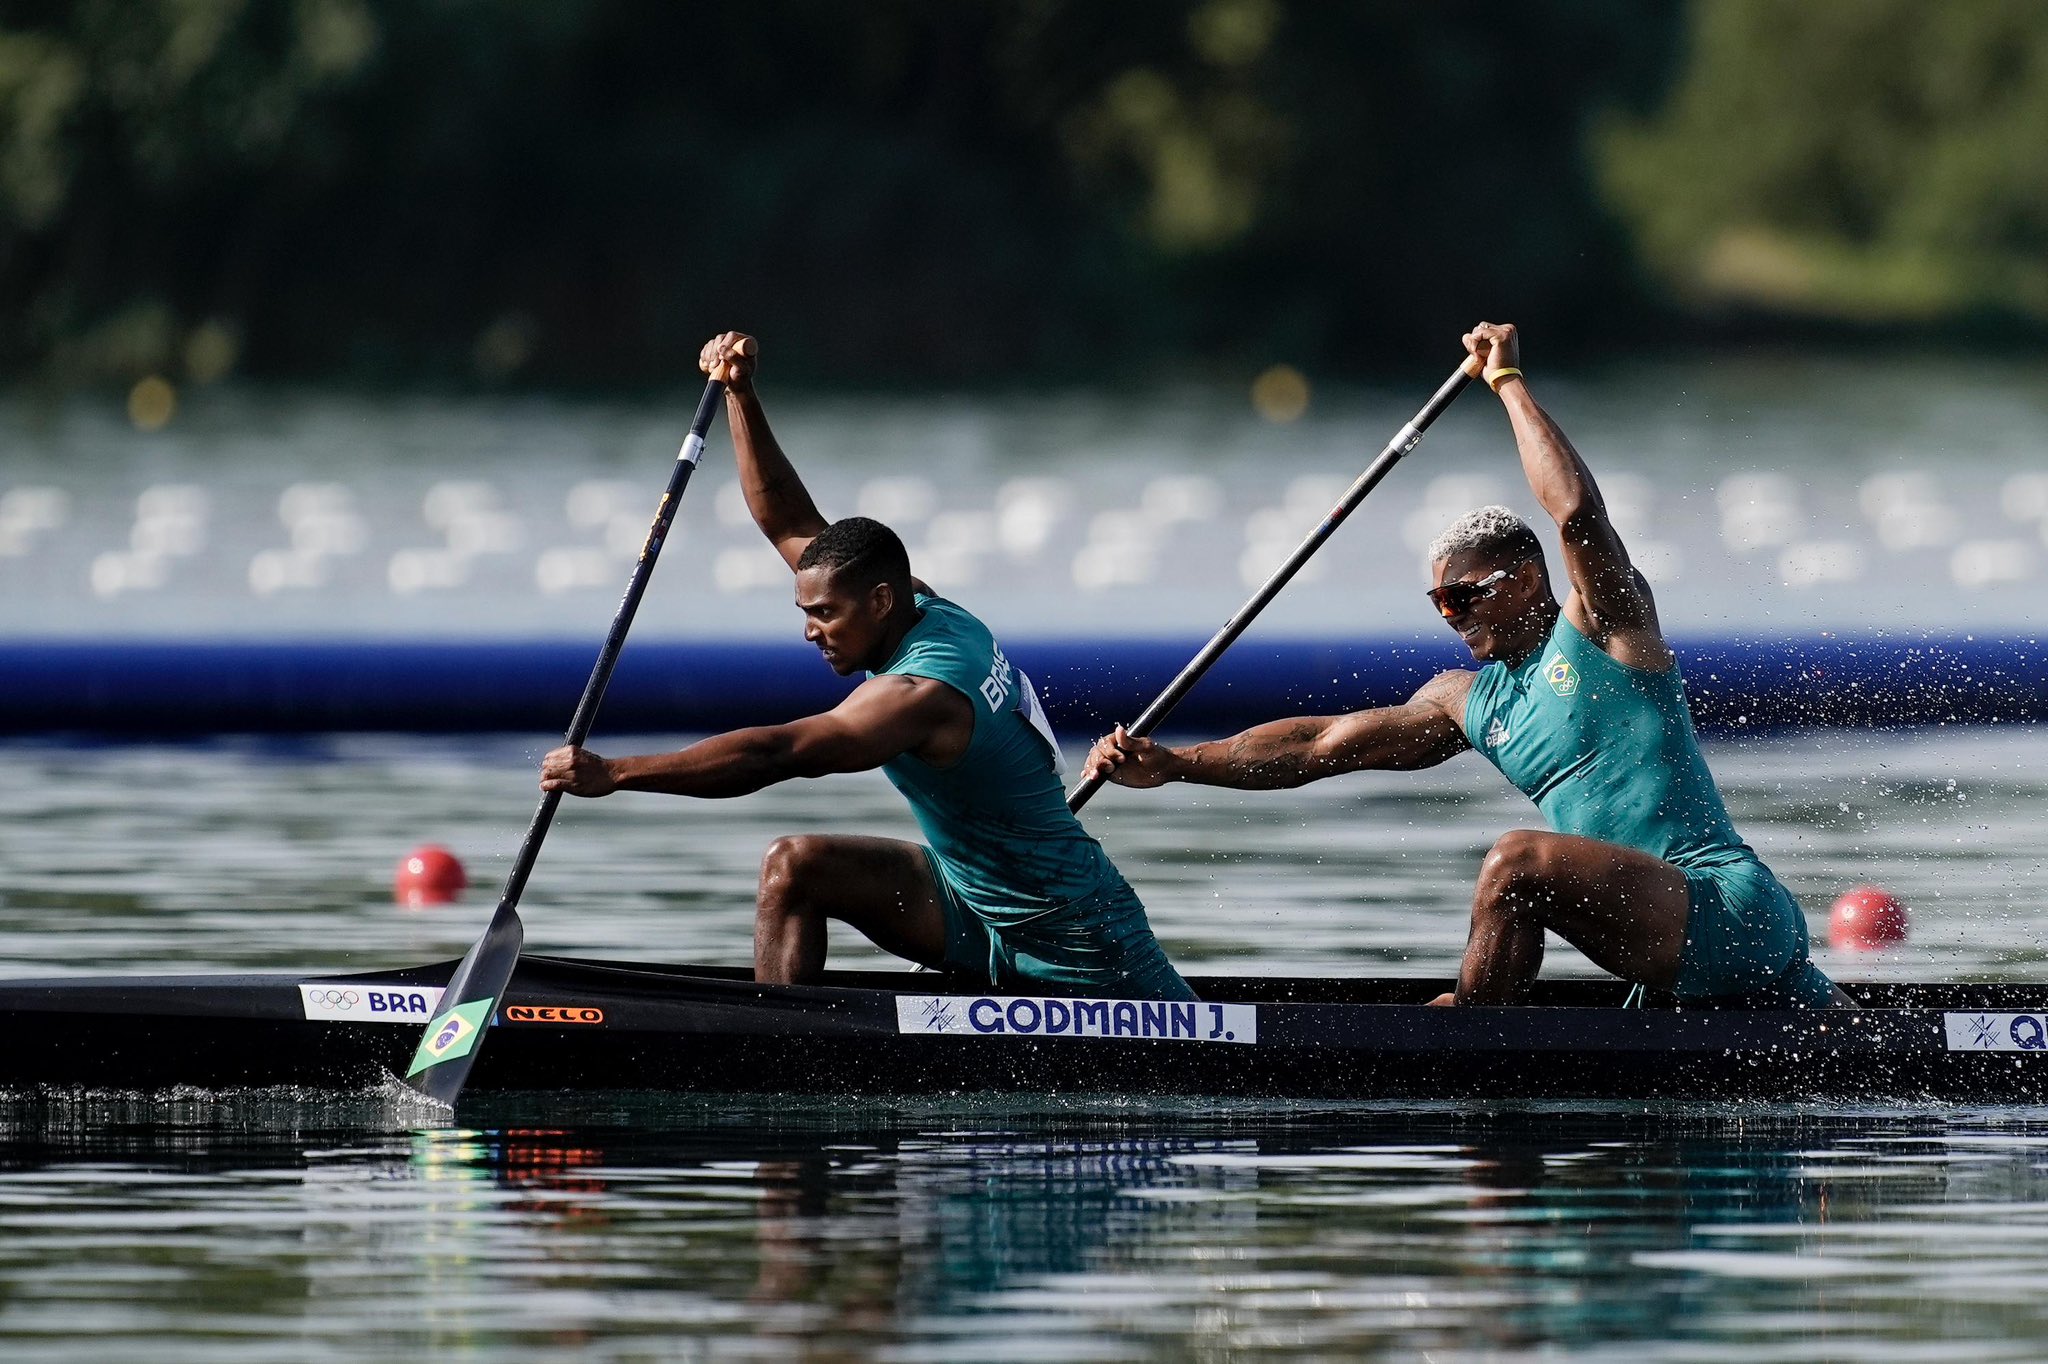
x=1422, y=732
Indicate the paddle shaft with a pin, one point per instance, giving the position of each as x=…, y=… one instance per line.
x=1405, y=440
x=487, y=969
x=615, y=639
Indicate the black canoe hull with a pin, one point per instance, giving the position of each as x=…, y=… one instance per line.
x=584, y=1026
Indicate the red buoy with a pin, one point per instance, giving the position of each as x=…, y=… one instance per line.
x=429, y=875
x=1867, y=917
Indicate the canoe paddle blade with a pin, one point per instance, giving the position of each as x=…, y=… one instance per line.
x=448, y=1047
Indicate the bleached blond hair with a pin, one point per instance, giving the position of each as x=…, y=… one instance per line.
x=1494, y=532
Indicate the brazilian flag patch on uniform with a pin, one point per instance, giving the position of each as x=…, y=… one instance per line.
x=1562, y=677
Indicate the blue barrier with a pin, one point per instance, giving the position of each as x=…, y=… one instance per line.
x=140, y=688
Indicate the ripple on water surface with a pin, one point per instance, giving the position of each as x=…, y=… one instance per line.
x=267, y=1226
x=249, y=854
x=277, y=1226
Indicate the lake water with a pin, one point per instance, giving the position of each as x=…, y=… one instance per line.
x=1765, y=494
x=265, y=1230
x=267, y=1226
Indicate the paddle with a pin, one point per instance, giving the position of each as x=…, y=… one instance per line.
x=449, y=1047
x=1406, y=439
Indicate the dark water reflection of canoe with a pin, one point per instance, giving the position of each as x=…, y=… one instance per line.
x=942, y=1228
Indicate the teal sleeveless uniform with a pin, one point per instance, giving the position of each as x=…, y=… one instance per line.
x=1031, y=899
x=1608, y=751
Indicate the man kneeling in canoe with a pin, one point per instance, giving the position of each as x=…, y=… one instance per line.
x=1581, y=707
x=1008, y=887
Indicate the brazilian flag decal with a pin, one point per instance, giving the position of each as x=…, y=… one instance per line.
x=1561, y=675
x=452, y=1035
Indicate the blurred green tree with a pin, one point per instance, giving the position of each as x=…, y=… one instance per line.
x=1873, y=160
x=577, y=191
x=125, y=131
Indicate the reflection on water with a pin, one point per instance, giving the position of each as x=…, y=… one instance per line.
x=244, y=1226
x=265, y=1226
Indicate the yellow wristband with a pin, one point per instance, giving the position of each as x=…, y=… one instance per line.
x=1494, y=376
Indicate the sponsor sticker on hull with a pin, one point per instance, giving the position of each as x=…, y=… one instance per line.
x=1996, y=1032
x=553, y=1013
x=1027, y=1016
x=354, y=1002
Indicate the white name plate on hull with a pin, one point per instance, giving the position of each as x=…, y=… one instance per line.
x=1029, y=1016
x=352, y=1002
x=1997, y=1032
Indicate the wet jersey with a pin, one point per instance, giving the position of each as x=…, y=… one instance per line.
x=1605, y=750
x=996, y=820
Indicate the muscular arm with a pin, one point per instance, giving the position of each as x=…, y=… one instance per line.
x=776, y=497
x=780, y=503
x=883, y=718
x=1421, y=732
x=1609, y=603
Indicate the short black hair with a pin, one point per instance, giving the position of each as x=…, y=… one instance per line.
x=859, y=552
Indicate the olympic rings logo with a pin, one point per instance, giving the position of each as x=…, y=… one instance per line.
x=333, y=999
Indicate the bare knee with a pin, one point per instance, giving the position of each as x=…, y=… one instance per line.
x=789, y=863
x=1517, y=866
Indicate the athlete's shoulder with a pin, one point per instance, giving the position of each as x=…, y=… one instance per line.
x=908, y=696
x=947, y=624
x=948, y=644
x=947, y=610
x=1448, y=690
x=1636, y=652
x=1448, y=694
x=1488, y=677
x=1470, y=697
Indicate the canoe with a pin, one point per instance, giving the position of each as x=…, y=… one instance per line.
x=579, y=1025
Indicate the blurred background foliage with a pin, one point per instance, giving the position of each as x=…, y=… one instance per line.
x=1881, y=160
x=576, y=192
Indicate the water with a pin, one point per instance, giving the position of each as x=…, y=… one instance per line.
x=268, y=1226
x=262, y=1229
x=242, y=854
x=278, y=1226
